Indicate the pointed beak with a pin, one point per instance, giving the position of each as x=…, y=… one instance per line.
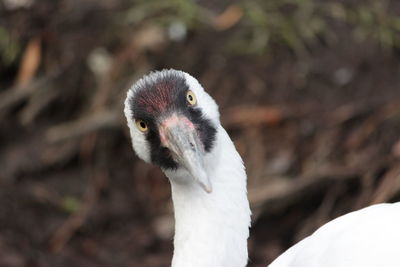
x=178, y=134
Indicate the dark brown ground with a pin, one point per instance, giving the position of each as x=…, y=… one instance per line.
x=319, y=131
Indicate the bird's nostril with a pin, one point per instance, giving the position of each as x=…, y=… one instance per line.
x=192, y=146
x=165, y=150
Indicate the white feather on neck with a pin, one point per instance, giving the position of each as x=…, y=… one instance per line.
x=212, y=229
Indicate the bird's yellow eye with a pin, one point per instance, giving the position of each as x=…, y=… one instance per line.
x=191, y=98
x=142, y=126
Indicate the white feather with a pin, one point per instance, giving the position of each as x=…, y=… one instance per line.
x=366, y=238
x=139, y=142
x=212, y=229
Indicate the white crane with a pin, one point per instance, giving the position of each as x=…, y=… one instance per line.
x=175, y=124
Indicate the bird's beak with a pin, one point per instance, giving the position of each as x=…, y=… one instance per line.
x=179, y=135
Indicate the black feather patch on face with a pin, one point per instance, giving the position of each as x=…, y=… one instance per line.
x=204, y=127
x=159, y=155
x=157, y=98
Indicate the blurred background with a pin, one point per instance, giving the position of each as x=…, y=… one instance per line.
x=309, y=91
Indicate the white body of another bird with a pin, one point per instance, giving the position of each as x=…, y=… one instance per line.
x=369, y=237
x=175, y=124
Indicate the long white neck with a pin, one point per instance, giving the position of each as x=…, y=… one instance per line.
x=211, y=229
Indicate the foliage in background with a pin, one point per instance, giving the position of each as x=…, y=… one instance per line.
x=165, y=12
x=295, y=24
x=9, y=48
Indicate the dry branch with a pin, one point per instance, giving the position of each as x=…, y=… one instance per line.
x=253, y=116
x=284, y=190
x=30, y=61
x=388, y=187
x=17, y=94
x=86, y=124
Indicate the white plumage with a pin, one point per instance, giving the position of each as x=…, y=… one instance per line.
x=369, y=237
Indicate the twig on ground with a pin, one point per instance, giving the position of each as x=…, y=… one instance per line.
x=89, y=123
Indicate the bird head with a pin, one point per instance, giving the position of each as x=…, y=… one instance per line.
x=173, y=123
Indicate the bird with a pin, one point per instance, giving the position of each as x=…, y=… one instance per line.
x=364, y=238
x=175, y=124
